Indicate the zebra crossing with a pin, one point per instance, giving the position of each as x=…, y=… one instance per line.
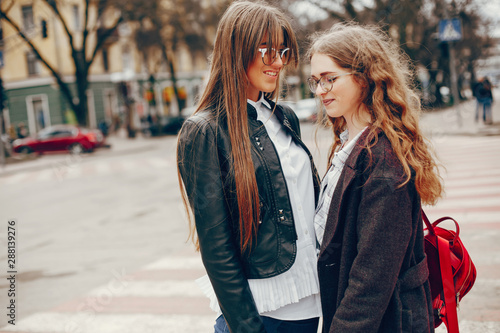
x=471, y=175
x=163, y=297
x=160, y=297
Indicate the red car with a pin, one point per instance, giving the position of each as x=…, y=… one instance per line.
x=61, y=138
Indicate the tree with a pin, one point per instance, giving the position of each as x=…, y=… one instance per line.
x=83, y=54
x=414, y=25
x=163, y=25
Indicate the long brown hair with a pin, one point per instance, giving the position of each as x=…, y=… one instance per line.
x=379, y=65
x=240, y=32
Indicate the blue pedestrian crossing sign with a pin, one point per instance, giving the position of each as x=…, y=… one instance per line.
x=450, y=30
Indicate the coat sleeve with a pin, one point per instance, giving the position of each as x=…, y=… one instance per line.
x=200, y=167
x=384, y=229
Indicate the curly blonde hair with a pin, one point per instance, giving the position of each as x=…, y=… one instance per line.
x=385, y=72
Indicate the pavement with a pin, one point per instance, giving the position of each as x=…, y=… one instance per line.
x=163, y=297
x=460, y=120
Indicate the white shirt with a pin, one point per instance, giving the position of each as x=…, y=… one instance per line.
x=330, y=181
x=294, y=294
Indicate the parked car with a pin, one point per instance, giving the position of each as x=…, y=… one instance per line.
x=61, y=138
x=161, y=126
x=306, y=109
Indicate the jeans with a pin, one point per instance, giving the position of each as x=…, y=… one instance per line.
x=485, y=104
x=276, y=325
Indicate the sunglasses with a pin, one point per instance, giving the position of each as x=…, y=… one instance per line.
x=269, y=55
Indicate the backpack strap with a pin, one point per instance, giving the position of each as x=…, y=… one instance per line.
x=448, y=310
x=450, y=319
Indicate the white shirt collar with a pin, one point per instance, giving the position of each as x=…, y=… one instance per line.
x=261, y=101
x=342, y=155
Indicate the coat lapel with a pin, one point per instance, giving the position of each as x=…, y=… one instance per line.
x=346, y=177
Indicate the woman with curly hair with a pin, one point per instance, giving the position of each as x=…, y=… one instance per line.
x=372, y=265
x=250, y=181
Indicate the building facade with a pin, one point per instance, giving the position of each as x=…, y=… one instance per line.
x=33, y=97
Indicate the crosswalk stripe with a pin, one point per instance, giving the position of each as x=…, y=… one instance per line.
x=493, y=171
x=468, y=203
x=176, y=263
x=165, y=288
x=472, y=192
x=93, y=322
x=103, y=167
x=14, y=179
x=463, y=217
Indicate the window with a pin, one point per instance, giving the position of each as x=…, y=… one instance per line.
x=28, y=21
x=33, y=66
x=76, y=17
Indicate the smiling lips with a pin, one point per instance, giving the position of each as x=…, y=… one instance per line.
x=327, y=102
x=271, y=73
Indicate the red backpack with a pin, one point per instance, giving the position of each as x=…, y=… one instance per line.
x=451, y=271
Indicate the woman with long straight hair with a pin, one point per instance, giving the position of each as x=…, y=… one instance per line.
x=372, y=265
x=249, y=183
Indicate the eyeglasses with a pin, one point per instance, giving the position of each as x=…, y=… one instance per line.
x=269, y=55
x=325, y=81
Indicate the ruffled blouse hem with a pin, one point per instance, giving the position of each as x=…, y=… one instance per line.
x=273, y=293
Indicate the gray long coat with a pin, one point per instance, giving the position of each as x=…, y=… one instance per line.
x=372, y=266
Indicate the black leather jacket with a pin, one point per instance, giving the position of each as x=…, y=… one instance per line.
x=204, y=159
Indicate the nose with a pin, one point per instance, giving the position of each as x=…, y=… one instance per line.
x=278, y=62
x=319, y=91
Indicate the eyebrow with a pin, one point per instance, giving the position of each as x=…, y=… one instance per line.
x=324, y=73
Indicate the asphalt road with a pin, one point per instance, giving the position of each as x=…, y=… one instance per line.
x=82, y=222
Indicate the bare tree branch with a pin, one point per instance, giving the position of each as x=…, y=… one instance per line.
x=102, y=38
x=55, y=74
x=8, y=7
x=349, y=8
x=85, y=27
x=53, y=4
x=329, y=10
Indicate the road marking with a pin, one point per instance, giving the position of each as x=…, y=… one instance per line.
x=165, y=288
x=176, y=263
x=92, y=322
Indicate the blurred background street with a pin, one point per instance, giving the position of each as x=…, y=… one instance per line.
x=92, y=95
x=102, y=238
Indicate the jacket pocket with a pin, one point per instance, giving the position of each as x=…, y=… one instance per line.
x=265, y=247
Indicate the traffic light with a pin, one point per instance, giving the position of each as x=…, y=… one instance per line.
x=44, y=29
x=2, y=96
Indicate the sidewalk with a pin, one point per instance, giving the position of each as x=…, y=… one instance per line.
x=460, y=120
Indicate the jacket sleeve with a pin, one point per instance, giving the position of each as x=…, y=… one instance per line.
x=200, y=165
x=384, y=229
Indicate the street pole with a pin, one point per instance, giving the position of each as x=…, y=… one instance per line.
x=453, y=70
x=2, y=148
x=454, y=82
